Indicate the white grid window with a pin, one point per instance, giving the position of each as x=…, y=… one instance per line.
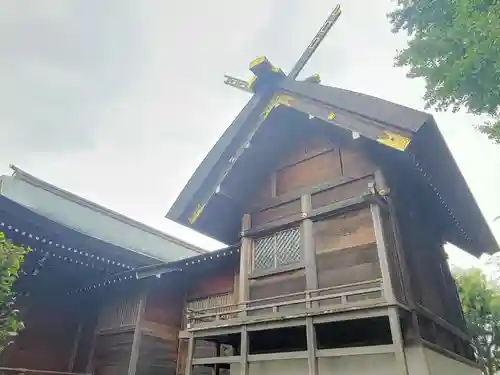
x=277, y=250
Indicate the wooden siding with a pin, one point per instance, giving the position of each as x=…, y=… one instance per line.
x=160, y=328
x=318, y=167
x=349, y=189
x=346, y=251
x=119, y=311
x=207, y=284
x=112, y=353
x=309, y=172
x=431, y=283
x=47, y=341
x=275, y=286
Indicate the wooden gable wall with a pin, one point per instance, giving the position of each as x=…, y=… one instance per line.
x=330, y=172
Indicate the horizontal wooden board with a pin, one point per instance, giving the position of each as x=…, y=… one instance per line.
x=345, y=258
x=307, y=149
x=340, y=192
x=318, y=169
x=277, y=285
x=112, y=353
x=156, y=356
x=275, y=213
x=352, y=229
x=355, y=164
x=212, y=284
x=342, y=276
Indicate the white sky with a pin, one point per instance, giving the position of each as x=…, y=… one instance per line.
x=118, y=101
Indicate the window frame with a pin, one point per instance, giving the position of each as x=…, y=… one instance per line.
x=277, y=268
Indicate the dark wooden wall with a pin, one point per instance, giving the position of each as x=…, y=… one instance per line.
x=48, y=340
x=431, y=283
x=345, y=245
x=114, y=334
x=346, y=251
x=160, y=328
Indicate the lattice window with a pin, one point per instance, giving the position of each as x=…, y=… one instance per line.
x=277, y=250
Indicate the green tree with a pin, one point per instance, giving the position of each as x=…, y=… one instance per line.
x=11, y=259
x=455, y=46
x=481, y=305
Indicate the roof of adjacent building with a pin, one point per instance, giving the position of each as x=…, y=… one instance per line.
x=427, y=154
x=91, y=219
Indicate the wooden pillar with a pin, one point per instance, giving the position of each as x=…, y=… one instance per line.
x=136, y=343
x=76, y=343
x=307, y=244
x=216, y=369
x=243, y=351
x=189, y=356
x=403, y=264
x=312, y=360
x=397, y=340
x=245, y=254
x=382, y=253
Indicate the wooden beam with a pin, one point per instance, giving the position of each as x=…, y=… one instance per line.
x=243, y=351
x=300, y=322
x=382, y=254
x=367, y=312
x=397, y=340
x=334, y=208
x=312, y=361
x=189, y=356
x=277, y=356
x=307, y=244
x=245, y=261
x=76, y=342
x=136, y=343
x=405, y=273
x=216, y=360
x=361, y=350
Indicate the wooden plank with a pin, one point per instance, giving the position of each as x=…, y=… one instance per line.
x=216, y=360
x=277, y=285
x=189, y=356
x=345, y=190
x=307, y=244
x=244, y=369
x=382, y=254
x=312, y=361
x=355, y=164
x=276, y=356
x=74, y=350
x=397, y=340
x=212, y=284
x=134, y=355
x=362, y=350
x=352, y=229
x=245, y=260
x=313, y=171
x=275, y=213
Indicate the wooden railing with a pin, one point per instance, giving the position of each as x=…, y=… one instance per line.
x=331, y=298
x=22, y=371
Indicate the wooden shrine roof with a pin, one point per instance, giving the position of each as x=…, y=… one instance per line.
x=427, y=156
